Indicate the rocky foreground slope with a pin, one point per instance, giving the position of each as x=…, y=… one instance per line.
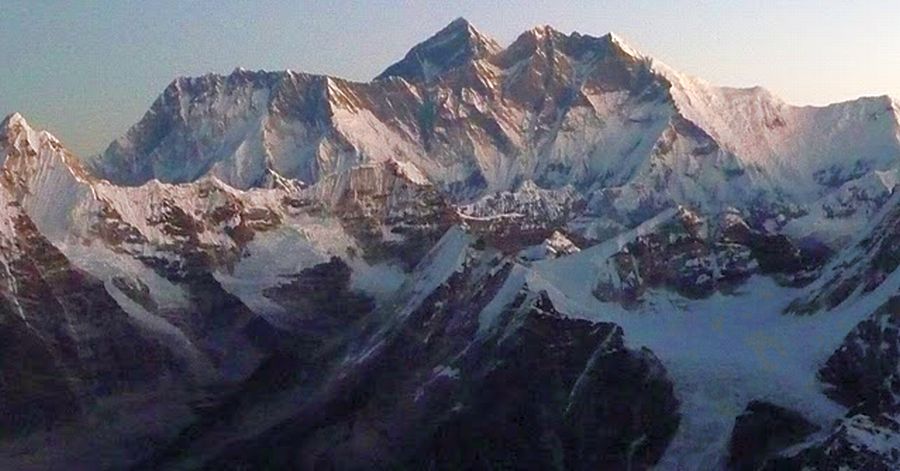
x=555, y=254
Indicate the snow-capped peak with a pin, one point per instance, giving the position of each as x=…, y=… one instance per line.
x=29, y=145
x=16, y=134
x=14, y=119
x=456, y=44
x=541, y=31
x=462, y=24
x=537, y=36
x=579, y=48
x=623, y=45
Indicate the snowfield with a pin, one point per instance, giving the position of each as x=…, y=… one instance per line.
x=262, y=238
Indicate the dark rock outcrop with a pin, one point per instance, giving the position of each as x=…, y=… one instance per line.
x=65, y=340
x=436, y=389
x=856, y=442
x=688, y=256
x=861, y=374
x=320, y=299
x=864, y=372
x=761, y=431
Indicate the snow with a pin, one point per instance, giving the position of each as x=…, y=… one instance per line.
x=267, y=261
x=790, y=144
x=554, y=246
x=490, y=314
x=381, y=280
x=412, y=173
x=748, y=145
x=198, y=364
x=619, y=41
x=836, y=218
x=709, y=147
x=446, y=258
x=446, y=372
x=529, y=200
x=722, y=351
x=863, y=434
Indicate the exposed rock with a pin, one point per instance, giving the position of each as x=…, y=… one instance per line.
x=392, y=210
x=557, y=245
x=437, y=388
x=862, y=375
x=457, y=44
x=684, y=255
x=856, y=442
x=285, y=267
x=320, y=301
x=66, y=342
x=863, y=372
x=863, y=268
x=763, y=430
x=527, y=216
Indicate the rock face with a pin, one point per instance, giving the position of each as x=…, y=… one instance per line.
x=443, y=388
x=65, y=339
x=856, y=442
x=614, y=407
x=458, y=44
x=633, y=136
x=686, y=255
x=321, y=293
x=763, y=430
x=440, y=269
x=861, y=374
x=390, y=208
x=861, y=268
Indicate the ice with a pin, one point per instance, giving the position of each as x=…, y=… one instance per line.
x=722, y=351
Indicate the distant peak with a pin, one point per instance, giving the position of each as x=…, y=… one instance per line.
x=459, y=23
x=540, y=34
x=454, y=45
x=465, y=27
x=12, y=120
x=542, y=31
x=16, y=132
x=14, y=127
x=544, y=38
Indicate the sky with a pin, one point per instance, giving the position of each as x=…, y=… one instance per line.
x=87, y=70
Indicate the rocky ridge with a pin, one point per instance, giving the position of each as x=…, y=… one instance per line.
x=316, y=272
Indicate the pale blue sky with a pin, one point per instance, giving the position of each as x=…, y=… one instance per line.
x=87, y=70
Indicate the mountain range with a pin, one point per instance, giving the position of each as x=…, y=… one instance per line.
x=560, y=253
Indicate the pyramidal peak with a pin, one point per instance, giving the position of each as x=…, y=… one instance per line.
x=15, y=131
x=19, y=138
x=15, y=127
x=462, y=26
x=454, y=45
x=13, y=120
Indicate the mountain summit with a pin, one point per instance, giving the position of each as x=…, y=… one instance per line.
x=477, y=118
x=556, y=254
x=454, y=45
x=12, y=119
